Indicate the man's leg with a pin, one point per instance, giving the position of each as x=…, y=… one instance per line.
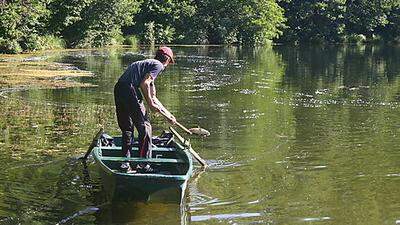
x=145, y=134
x=124, y=119
x=143, y=126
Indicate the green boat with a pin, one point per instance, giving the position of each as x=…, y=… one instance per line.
x=171, y=163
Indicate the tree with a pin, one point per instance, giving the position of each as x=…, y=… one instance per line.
x=237, y=21
x=21, y=25
x=366, y=16
x=314, y=21
x=102, y=21
x=91, y=23
x=162, y=21
x=391, y=32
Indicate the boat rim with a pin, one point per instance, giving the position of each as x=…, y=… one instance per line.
x=186, y=176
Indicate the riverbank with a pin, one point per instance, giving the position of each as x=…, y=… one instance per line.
x=29, y=71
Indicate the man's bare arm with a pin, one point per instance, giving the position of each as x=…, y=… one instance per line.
x=149, y=91
x=146, y=88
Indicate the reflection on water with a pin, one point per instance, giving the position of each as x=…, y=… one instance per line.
x=299, y=135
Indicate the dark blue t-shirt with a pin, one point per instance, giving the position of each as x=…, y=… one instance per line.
x=136, y=72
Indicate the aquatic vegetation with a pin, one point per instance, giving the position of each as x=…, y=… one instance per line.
x=30, y=71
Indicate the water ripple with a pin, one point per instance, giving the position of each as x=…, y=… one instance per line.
x=314, y=219
x=323, y=97
x=80, y=213
x=224, y=216
x=221, y=164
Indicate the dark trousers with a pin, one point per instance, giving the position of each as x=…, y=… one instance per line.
x=132, y=113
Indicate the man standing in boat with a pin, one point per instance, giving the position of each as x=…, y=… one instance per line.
x=135, y=83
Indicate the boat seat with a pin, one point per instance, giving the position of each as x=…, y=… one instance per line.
x=151, y=160
x=160, y=149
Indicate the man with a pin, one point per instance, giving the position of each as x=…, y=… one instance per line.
x=129, y=102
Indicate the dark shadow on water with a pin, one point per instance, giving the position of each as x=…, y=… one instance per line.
x=124, y=209
x=132, y=212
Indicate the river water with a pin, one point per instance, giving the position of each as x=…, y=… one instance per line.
x=299, y=135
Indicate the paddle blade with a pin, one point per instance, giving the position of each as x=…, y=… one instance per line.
x=200, y=131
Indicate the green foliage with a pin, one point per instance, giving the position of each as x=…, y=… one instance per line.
x=103, y=20
x=131, y=40
x=46, y=24
x=391, y=31
x=356, y=38
x=34, y=25
x=366, y=16
x=315, y=21
x=341, y=20
x=9, y=46
x=217, y=21
x=21, y=24
x=264, y=21
x=92, y=23
x=148, y=34
x=158, y=20
x=236, y=21
x=165, y=34
x=209, y=21
x=66, y=19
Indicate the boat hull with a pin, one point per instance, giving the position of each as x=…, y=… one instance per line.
x=174, y=168
x=120, y=187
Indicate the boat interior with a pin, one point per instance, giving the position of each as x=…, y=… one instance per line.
x=167, y=156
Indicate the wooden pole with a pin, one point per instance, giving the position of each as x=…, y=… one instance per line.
x=189, y=147
x=180, y=125
x=93, y=144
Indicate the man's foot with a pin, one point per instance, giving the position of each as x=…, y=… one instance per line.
x=127, y=167
x=130, y=170
x=148, y=169
x=144, y=168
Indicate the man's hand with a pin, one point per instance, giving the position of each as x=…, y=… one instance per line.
x=155, y=108
x=171, y=119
